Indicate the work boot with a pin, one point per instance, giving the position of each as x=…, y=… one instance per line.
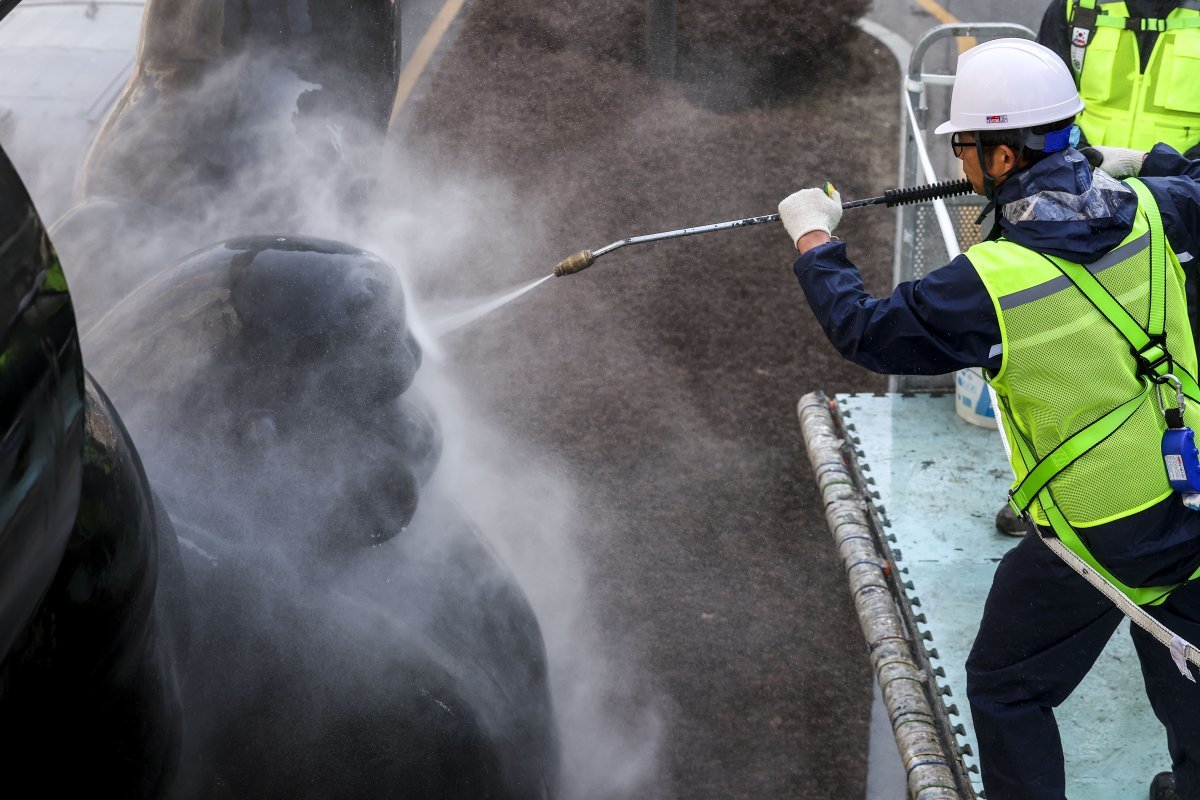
x=1163, y=787
x=1008, y=523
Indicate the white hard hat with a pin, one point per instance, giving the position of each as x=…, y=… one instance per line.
x=1010, y=83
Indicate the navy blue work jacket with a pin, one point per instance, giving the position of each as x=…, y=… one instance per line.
x=946, y=320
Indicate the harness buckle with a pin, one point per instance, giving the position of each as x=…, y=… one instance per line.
x=1153, y=360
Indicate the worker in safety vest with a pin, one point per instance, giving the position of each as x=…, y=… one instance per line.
x=1075, y=309
x=1137, y=66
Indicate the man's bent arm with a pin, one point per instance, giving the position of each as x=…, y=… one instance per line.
x=939, y=324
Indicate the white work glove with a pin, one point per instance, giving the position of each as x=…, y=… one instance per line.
x=810, y=210
x=1120, y=162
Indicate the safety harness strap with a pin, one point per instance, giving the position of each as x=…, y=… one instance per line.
x=1071, y=449
x=1144, y=23
x=1081, y=17
x=1065, y=532
x=1149, y=349
x=1084, y=18
x=1067, y=545
x=1158, y=262
x=1144, y=595
x=1083, y=14
x=1148, y=344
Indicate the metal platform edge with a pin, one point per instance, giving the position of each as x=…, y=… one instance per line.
x=920, y=721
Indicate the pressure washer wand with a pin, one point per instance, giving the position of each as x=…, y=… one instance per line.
x=892, y=197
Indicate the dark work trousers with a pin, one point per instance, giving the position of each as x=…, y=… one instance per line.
x=1043, y=628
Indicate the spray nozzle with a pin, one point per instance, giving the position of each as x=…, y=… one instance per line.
x=575, y=263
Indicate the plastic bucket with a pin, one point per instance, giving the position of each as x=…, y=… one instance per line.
x=972, y=400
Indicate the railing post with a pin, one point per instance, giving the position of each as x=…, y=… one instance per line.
x=660, y=37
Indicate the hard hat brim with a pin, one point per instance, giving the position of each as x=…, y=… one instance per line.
x=947, y=127
x=1013, y=120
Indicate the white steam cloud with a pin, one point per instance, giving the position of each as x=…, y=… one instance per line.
x=229, y=153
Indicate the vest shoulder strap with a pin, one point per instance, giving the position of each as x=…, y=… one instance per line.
x=1158, y=256
x=1081, y=18
x=1147, y=344
x=1082, y=13
x=1142, y=23
x=1069, y=450
x=1084, y=18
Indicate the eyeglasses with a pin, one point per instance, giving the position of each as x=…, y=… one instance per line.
x=959, y=144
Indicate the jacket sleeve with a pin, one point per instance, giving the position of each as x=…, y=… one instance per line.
x=1172, y=179
x=941, y=323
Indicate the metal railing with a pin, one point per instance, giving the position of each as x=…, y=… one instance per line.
x=928, y=235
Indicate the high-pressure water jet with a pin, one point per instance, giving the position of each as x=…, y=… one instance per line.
x=453, y=322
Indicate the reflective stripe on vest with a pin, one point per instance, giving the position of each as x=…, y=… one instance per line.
x=1124, y=106
x=1079, y=405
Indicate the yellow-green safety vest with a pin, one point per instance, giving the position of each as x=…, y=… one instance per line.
x=1124, y=106
x=1078, y=392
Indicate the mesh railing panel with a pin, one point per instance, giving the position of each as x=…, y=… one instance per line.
x=927, y=251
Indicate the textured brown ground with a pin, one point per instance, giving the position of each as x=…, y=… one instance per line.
x=664, y=380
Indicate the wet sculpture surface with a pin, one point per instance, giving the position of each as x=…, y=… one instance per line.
x=322, y=74
x=89, y=694
x=91, y=586
x=41, y=381
x=347, y=616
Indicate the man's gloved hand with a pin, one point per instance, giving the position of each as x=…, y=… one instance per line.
x=1119, y=162
x=810, y=210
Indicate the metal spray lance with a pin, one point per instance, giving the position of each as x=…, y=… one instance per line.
x=892, y=197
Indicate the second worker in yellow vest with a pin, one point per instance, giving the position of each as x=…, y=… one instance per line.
x=1137, y=66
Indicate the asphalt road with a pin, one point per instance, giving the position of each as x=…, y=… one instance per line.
x=661, y=385
x=911, y=18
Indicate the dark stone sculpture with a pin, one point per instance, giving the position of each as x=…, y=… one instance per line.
x=227, y=93
x=307, y=613
x=238, y=118
x=355, y=636
x=91, y=587
x=41, y=417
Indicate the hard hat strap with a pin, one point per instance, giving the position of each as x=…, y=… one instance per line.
x=989, y=183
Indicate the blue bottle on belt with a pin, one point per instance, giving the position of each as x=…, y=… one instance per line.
x=1181, y=457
